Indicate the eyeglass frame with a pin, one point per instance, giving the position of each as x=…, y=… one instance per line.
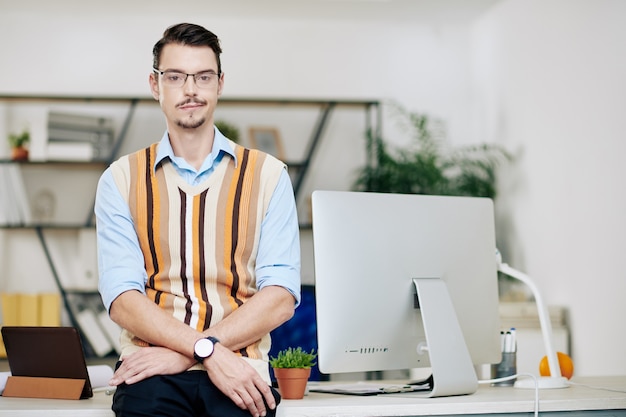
x=158, y=71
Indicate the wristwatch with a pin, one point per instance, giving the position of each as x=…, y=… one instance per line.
x=204, y=348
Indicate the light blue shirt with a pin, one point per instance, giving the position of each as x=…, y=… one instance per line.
x=121, y=262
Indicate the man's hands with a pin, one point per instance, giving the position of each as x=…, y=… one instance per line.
x=239, y=381
x=230, y=373
x=150, y=361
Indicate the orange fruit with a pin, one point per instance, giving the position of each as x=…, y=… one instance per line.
x=565, y=363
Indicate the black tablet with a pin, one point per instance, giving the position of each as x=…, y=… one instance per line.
x=46, y=352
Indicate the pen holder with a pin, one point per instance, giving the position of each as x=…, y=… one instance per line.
x=507, y=367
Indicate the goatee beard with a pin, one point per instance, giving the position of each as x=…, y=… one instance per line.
x=191, y=124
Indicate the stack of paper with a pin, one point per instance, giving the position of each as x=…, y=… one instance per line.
x=74, y=137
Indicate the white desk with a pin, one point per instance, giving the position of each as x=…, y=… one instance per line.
x=491, y=401
x=486, y=401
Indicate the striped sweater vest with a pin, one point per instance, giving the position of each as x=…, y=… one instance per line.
x=199, y=242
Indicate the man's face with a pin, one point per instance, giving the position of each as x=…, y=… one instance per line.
x=187, y=107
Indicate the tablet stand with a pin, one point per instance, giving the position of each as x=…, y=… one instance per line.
x=36, y=387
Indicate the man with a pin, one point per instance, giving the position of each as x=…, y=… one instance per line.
x=198, y=248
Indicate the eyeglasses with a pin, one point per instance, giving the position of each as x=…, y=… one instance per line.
x=177, y=79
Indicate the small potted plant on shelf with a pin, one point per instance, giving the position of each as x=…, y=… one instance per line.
x=18, y=142
x=292, y=368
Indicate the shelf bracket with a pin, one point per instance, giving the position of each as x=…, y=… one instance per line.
x=55, y=275
x=124, y=130
x=318, y=131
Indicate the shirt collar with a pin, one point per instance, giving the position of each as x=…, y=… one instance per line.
x=221, y=144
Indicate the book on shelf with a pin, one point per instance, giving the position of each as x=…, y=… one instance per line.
x=14, y=206
x=93, y=321
x=10, y=309
x=88, y=252
x=26, y=309
x=49, y=309
x=111, y=329
x=8, y=213
x=75, y=258
x=91, y=329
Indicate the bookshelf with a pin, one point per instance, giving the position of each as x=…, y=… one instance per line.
x=325, y=107
x=77, y=301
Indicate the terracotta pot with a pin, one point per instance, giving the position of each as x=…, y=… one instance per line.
x=292, y=382
x=19, y=154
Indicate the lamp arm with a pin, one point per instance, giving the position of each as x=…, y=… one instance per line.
x=544, y=317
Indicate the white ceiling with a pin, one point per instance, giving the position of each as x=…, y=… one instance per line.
x=420, y=11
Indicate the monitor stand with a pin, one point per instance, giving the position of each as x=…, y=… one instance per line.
x=451, y=363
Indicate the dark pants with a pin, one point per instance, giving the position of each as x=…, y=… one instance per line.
x=187, y=394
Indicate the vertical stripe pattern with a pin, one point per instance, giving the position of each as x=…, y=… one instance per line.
x=200, y=242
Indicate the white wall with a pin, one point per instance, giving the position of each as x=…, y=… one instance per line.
x=543, y=78
x=549, y=82
x=95, y=50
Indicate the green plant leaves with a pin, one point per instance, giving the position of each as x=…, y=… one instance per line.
x=428, y=166
x=294, y=358
x=18, y=140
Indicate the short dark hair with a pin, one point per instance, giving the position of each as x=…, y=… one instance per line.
x=187, y=34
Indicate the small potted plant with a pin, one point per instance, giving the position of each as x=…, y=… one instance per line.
x=292, y=368
x=18, y=142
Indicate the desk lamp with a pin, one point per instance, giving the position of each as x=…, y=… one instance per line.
x=555, y=380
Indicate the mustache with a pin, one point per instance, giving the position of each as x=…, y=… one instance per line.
x=191, y=100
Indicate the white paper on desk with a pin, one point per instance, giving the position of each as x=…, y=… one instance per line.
x=3, y=379
x=99, y=376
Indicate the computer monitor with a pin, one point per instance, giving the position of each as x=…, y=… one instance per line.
x=406, y=281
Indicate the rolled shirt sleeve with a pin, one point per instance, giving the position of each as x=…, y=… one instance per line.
x=278, y=260
x=120, y=260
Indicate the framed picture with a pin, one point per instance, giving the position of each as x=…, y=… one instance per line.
x=267, y=139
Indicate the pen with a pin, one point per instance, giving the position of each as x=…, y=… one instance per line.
x=513, y=340
x=510, y=342
x=107, y=390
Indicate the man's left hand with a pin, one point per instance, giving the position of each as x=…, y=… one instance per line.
x=150, y=361
x=239, y=381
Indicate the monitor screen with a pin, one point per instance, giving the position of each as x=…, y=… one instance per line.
x=369, y=248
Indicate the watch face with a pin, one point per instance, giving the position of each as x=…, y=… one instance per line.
x=204, y=348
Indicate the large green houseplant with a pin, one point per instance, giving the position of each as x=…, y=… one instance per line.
x=428, y=165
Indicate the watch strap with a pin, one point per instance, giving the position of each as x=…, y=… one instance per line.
x=200, y=359
x=213, y=339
